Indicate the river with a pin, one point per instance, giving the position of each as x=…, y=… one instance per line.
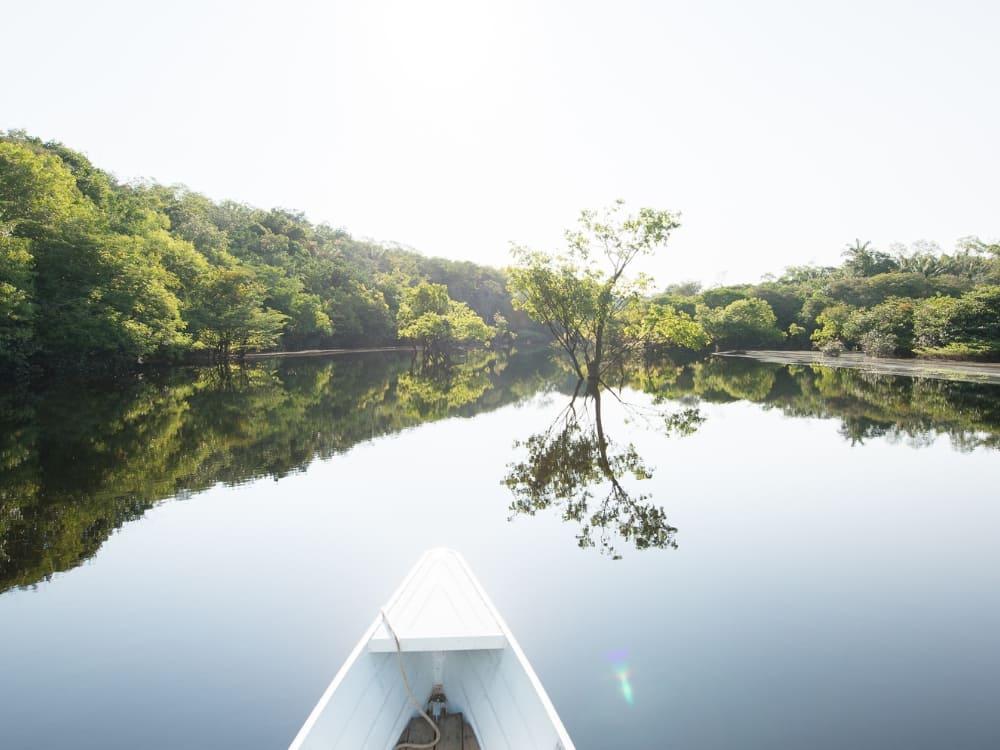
x=787, y=556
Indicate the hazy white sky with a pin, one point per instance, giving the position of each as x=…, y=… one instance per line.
x=781, y=130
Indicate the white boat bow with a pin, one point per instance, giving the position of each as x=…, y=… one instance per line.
x=451, y=639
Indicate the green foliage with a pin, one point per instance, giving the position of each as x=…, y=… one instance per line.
x=592, y=310
x=17, y=309
x=965, y=327
x=786, y=301
x=723, y=295
x=875, y=343
x=38, y=193
x=306, y=320
x=797, y=336
x=99, y=274
x=869, y=291
x=742, y=323
x=685, y=305
x=563, y=297
x=95, y=274
x=817, y=302
x=884, y=330
x=830, y=324
x=863, y=260
x=231, y=317
x=661, y=326
x=439, y=324
x=683, y=289
x=935, y=320
x=807, y=277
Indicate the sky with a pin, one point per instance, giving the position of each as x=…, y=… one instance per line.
x=781, y=131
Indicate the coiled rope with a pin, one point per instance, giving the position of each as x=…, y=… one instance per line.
x=413, y=700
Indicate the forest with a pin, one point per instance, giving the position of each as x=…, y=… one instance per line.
x=916, y=301
x=97, y=274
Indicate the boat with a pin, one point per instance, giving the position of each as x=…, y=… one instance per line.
x=437, y=650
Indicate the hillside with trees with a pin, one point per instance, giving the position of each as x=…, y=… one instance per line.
x=100, y=274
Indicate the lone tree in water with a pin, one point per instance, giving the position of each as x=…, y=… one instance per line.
x=595, y=313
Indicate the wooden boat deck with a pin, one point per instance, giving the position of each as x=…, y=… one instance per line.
x=456, y=734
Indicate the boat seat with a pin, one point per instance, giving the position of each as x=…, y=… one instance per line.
x=439, y=607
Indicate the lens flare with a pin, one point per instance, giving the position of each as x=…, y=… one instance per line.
x=619, y=658
x=622, y=674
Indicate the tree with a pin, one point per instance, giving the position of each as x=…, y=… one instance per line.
x=721, y=296
x=683, y=289
x=306, y=319
x=231, y=317
x=830, y=324
x=87, y=293
x=583, y=297
x=17, y=309
x=883, y=330
x=743, y=323
x=38, y=194
x=968, y=326
x=862, y=260
x=439, y=324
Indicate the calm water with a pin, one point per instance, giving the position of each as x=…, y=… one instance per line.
x=185, y=562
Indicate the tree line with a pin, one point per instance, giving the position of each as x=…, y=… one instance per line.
x=99, y=273
x=916, y=301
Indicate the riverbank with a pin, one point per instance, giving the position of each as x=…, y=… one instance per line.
x=938, y=369
x=326, y=352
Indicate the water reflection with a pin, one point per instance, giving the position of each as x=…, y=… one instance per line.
x=77, y=460
x=577, y=468
x=869, y=405
x=80, y=459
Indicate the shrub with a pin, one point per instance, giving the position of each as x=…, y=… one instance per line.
x=743, y=323
x=878, y=344
x=887, y=324
x=832, y=347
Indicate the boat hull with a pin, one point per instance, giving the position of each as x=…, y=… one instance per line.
x=366, y=707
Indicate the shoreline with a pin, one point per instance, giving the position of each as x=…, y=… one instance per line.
x=325, y=352
x=937, y=369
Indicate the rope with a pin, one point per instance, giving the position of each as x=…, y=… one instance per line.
x=413, y=700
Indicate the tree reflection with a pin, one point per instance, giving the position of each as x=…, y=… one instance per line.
x=869, y=405
x=432, y=389
x=575, y=467
x=80, y=459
